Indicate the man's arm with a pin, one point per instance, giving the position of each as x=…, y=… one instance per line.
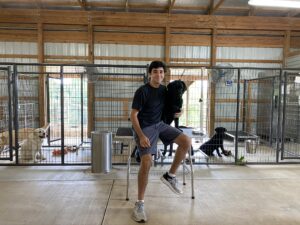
x=144, y=141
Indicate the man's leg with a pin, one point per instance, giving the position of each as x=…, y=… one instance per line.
x=139, y=214
x=145, y=165
x=184, y=143
x=169, y=178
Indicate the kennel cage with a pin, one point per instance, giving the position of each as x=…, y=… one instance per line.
x=76, y=103
x=81, y=100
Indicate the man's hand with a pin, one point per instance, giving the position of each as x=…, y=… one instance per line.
x=145, y=142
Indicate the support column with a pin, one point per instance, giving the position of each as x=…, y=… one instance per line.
x=212, y=89
x=91, y=86
x=167, y=53
x=42, y=77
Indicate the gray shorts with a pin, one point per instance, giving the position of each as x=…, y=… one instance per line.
x=164, y=132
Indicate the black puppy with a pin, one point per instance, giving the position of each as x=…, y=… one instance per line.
x=173, y=105
x=215, y=143
x=174, y=101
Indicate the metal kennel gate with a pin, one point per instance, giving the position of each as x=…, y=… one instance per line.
x=6, y=151
x=75, y=96
x=290, y=136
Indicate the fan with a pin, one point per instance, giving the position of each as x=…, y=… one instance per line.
x=222, y=74
x=91, y=74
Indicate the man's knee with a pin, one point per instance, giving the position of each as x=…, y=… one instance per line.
x=146, y=160
x=183, y=141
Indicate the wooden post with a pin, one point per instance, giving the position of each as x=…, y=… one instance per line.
x=42, y=77
x=167, y=53
x=286, y=47
x=91, y=86
x=212, y=90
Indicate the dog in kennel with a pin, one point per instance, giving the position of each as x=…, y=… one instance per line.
x=216, y=142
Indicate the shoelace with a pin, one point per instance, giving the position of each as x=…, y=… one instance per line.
x=174, y=181
x=140, y=207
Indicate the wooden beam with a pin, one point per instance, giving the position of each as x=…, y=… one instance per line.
x=232, y=120
x=91, y=43
x=196, y=65
x=171, y=5
x=120, y=79
x=123, y=58
x=188, y=78
x=213, y=47
x=215, y=8
x=20, y=56
x=91, y=86
x=126, y=5
x=293, y=13
x=82, y=4
x=212, y=89
x=210, y=7
x=111, y=119
x=251, y=11
x=286, y=47
x=148, y=19
x=167, y=52
x=102, y=99
x=42, y=77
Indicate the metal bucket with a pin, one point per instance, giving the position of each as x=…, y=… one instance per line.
x=101, y=152
x=251, y=146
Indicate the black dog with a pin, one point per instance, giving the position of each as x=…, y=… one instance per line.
x=215, y=143
x=174, y=101
x=173, y=105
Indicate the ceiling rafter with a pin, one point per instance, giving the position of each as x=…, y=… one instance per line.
x=251, y=11
x=215, y=8
x=171, y=5
x=293, y=13
x=126, y=5
x=38, y=4
x=210, y=6
x=82, y=4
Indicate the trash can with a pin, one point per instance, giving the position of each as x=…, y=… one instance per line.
x=251, y=146
x=101, y=151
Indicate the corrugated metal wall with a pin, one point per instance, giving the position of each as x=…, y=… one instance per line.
x=294, y=61
x=27, y=83
x=66, y=49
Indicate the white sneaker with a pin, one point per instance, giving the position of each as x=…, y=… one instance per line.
x=138, y=213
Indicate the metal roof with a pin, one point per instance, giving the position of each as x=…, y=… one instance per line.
x=199, y=7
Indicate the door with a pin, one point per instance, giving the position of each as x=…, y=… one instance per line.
x=291, y=117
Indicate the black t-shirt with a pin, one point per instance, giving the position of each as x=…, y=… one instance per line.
x=150, y=102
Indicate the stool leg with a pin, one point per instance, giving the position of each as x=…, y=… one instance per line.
x=183, y=168
x=128, y=173
x=192, y=173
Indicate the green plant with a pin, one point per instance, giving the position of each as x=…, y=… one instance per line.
x=241, y=161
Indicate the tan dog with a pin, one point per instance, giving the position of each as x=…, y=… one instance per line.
x=28, y=137
x=32, y=146
x=22, y=135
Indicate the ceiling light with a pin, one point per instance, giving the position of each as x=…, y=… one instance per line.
x=276, y=3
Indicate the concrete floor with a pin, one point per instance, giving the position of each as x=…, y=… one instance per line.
x=227, y=195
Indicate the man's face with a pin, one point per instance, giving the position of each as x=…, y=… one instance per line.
x=157, y=75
